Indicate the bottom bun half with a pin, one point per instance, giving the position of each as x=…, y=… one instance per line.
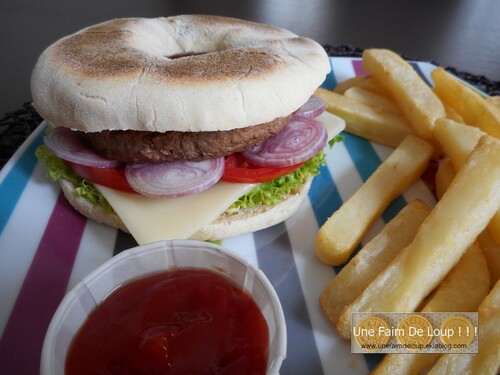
x=226, y=225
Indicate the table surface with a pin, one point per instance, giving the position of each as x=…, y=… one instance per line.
x=464, y=34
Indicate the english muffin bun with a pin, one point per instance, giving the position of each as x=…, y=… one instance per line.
x=122, y=74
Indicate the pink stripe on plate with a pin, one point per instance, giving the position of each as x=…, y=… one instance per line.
x=358, y=67
x=42, y=291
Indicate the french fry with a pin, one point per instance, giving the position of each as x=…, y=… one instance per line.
x=491, y=250
x=487, y=360
x=457, y=141
x=452, y=114
x=495, y=100
x=494, y=227
x=473, y=108
x=363, y=82
x=444, y=175
x=373, y=99
x=451, y=227
x=463, y=289
x=372, y=259
x=491, y=305
x=415, y=98
x=385, y=128
x=338, y=237
x=373, y=85
x=343, y=86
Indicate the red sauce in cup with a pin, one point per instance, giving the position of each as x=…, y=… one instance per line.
x=176, y=322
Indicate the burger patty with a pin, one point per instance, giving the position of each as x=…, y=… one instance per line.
x=134, y=146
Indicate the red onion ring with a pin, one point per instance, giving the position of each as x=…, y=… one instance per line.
x=174, y=179
x=300, y=140
x=70, y=146
x=312, y=108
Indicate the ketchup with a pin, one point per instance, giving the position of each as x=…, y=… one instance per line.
x=176, y=322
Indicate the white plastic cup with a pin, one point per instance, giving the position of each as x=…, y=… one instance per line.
x=152, y=258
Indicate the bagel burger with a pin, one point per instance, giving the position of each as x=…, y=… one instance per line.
x=183, y=127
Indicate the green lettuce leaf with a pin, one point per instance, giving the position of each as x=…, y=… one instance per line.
x=57, y=170
x=272, y=192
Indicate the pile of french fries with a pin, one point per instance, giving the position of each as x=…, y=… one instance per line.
x=444, y=258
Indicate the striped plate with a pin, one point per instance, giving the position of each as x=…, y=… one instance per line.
x=46, y=248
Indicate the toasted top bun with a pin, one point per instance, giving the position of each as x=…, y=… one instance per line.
x=117, y=75
x=226, y=225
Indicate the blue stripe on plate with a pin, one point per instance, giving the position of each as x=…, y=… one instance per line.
x=324, y=196
x=123, y=241
x=275, y=259
x=16, y=180
x=416, y=66
x=325, y=199
x=362, y=154
x=372, y=360
x=366, y=161
x=330, y=82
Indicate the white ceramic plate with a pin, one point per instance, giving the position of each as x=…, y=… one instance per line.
x=46, y=248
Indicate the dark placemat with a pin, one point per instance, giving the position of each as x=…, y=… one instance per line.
x=16, y=126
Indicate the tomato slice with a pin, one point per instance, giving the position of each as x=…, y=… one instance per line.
x=238, y=169
x=113, y=178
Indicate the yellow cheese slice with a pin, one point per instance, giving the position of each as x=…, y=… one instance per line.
x=333, y=124
x=150, y=219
